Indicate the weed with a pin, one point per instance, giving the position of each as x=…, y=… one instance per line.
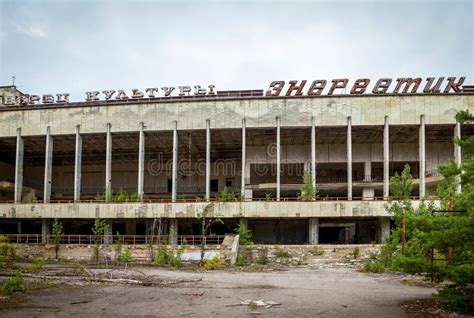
x=316, y=251
x=212, y=264
x=13, y=284
x=281, y=253
x=35, y=265
x=262, y=257
x=356, y=252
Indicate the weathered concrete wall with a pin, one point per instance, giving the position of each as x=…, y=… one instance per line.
x=259, y=112
x=190, y=210
x=85, y=252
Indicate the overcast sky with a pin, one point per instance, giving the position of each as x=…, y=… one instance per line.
x=76, y=46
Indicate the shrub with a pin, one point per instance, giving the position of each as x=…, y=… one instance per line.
x=7, y=251
x=121, y=196
x=175, y=260
x=460, y=298
x=162, y=255
x=100, y=197
x=228, y=196
x=281, y=253
x=262, y=257
x=316, y=251
x=212, y=264
x=242, y=257
x=245, y=235
x=126, y=255
x=135, y=197
x=374, y=266
x=13, y=284
x=355, y=252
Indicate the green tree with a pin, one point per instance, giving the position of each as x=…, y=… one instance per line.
x=450, y=237
x=58, y=234
x=308, y=191
x=207, y=217
x=245, y=235
x=99, y=228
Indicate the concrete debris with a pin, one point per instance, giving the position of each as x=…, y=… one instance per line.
x=260, y=303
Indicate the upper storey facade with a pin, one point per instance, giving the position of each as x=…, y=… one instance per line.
x=190, y=114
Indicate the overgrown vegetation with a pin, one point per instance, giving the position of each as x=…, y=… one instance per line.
x=212, y=264
x=449, y=236
x=229, y=196
x=7, y=251
x=207, y=217
x=99, y=228
x=281, y=253
x=119, y=197
x=13, y=284
x=242, y=257
x=126, y=255
x=36, y=265
x=262, y=257
x=58, y=234
x=308, y=191
x=245, y=235
x=165, y=256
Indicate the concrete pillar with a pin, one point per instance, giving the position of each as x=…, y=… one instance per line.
x=422, y=156
x=386, y=159
x=349, y=158
x=141, y=160
x=45, y=230
x=19, y=166
x=458, y=153
x=48, y=166
x=368, y=169
x=78, y=165
x=384, y=229
x=278, y=161
x=208, y=159
x=313, y=231
x=108, y=164
x=18, y=227
x=173, y=231
x=313, y=151
x=242, y=182
x=109, y=232
x=174, y=174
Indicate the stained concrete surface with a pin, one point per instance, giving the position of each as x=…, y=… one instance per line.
x=302, y=292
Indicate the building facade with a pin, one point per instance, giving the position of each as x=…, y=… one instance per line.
x=168, y=158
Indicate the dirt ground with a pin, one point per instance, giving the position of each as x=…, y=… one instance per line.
x=299, y=292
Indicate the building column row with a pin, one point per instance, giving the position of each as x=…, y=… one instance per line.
x=141, y=161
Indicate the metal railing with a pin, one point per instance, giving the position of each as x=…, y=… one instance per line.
x=197, y=200
x=123, y=239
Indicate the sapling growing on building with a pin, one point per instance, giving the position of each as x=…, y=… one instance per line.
x=207, y=218
x=99, y=228
x=58, y=234
x=308, y=191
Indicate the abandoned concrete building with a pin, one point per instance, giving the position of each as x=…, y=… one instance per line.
x=72, y=161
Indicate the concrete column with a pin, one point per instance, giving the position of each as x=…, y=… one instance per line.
x=45, y=230
x=384, y=229
x=18, y=227
x=108, y=164
x=242, y=182
x=349, y=158
x=313, y=231
x=109, y=232
x=457, y=152
x=174, y=174
x=48, y=166
x=19, y=166
x=368, y=169
x=386, y=159
x=422, y=156
x=313, y=151
x=173, y=231
x=78, y=165
x=278, y=161
x=208, y=159
x=141, y=160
